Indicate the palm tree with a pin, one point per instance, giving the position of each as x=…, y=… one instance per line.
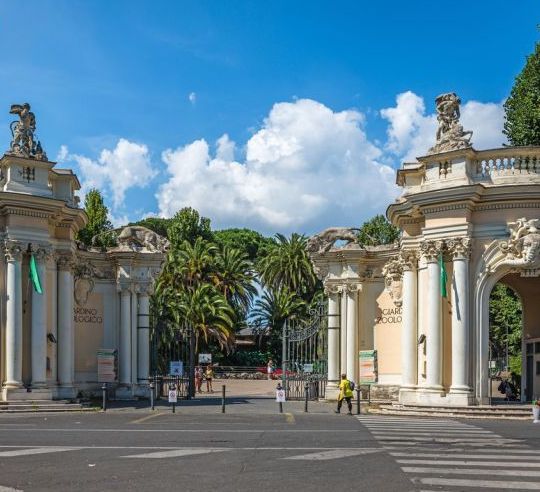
x=288, y=266
x=275, y=306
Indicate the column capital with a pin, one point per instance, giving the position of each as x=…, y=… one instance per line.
x=64, y=260
x=431, y=249
x=13, y=250
x=352, y=287
x=459, y=248
x=409, y=259
x=42, y=252
x=332, y=288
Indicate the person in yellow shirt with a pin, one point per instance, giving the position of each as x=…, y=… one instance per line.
x=345, y=393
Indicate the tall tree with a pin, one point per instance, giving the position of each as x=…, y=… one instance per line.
x=377, y=231
x=252, y=243
x=98, y=222
x=522, y=108
x=188, y=225
x=287, y=265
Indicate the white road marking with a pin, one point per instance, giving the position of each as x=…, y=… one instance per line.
x=492, y=484
x=9, y=489
x=35, y=450
x=472, y=471
x=175, y=453
x=502, y=463
x=194, y=431
x=428, y=432
x=507, y=457
x=332, y=455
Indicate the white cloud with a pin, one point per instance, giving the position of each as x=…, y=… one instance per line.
x=116, y=171
x=305, y=167
x=192, y=97
x=62, y=153
x=411, y=132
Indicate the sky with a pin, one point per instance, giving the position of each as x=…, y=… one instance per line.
x=279, y=116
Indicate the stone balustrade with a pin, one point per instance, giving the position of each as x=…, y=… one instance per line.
x=509, y=161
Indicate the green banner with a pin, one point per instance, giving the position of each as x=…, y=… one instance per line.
x=34, y=275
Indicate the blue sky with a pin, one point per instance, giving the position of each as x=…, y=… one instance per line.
x=314, y=104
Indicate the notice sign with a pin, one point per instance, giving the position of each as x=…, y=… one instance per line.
x=368, y=366
x=307, y=368
x=107, y=365
x=176, y=368
x=280, y=395
x=205, y=358
x=173, y=396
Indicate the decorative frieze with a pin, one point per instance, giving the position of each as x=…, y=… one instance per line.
x=459, y=247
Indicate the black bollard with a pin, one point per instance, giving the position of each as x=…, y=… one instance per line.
x=104, y=395
x=306, y=396
x=223, y=398
x=357, y=401
x=152, y=386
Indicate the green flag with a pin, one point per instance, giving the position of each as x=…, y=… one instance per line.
x=444, y=276
x=34, y=275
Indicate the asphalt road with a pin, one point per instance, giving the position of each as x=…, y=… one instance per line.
x=254, y=448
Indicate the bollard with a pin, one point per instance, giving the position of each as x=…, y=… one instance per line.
x=306, y=396
x=358, y=401
x=104, y=395
x=152, y=394
x=223, y=398
x=280, y=407
x=278, y=389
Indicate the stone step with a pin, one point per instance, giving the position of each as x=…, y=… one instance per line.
x=487, y=412
x=27, y=406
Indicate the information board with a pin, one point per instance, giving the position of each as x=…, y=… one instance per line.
x=205, y=358
x=368, y=366
x=107, y=365
x=176, y=368
x=307, y=368
x=173, y=396
x=280, y=395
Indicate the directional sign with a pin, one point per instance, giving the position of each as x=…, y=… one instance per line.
x=176, y=368
x=280, y=395
x=173, y=396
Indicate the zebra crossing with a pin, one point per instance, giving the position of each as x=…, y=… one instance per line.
x=455, y=455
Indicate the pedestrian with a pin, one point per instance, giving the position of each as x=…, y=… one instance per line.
x=198, y=379
x=209, y=375
x=345, y=393
x=269, y=369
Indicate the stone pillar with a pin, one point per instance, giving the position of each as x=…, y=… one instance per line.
x=39, y=323
x=13, y=252
x=143, y=336
x=53, y=296
x=434, y=337
x=409, y=334
x=124, y=353
x=66, y=335
x=333, y=342
x=343, y=331
x=352, y=332
x=460, y=250
x=134, y=329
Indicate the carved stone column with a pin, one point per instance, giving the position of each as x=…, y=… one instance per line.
x=66, y=335
x=460, y=249
x=39, y=322
x=332, y=291
x=434, y=338
x=143, y=335
x=352, y=331
x=124, y=353
x=13, y=253
x=409, y=334
x=343, y=330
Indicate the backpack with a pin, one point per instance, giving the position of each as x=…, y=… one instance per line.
x=351, y=385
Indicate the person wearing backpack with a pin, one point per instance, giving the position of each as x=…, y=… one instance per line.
x=345, y=393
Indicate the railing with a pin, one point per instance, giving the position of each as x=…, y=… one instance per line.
x=507, y=162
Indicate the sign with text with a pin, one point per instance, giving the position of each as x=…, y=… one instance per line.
x=176, y=368
x=173, y=396
x=307, y=368
x=107, y=360
x=368, y=366
x=205, y=358
x=280, y=395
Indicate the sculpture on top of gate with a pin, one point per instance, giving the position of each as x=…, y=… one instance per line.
x=23, y=142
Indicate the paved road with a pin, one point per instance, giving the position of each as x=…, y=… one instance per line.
x=254, y=448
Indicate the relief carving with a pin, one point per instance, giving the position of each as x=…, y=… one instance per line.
x=522, y=250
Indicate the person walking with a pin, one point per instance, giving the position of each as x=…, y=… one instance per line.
x=209, y=375
x=269, y=369
x=345, y=393
x=198, y=379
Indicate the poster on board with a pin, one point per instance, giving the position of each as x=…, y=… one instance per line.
x=368, y=366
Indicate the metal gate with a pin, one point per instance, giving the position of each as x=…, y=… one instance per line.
x=305, y=355
x=172, y=358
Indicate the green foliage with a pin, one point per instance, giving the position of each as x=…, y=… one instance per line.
x=188, y=225
x=377, y=231
x=505, y=311
x=522, y=108
x=253, y=244
x=157, y=224
x=98, y=222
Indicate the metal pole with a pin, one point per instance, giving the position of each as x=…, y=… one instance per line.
x=191, y=385
x=223, y=398
x=284, y=356
x=104, y=395
x=152, y=394
x=357, y=401
x=306, y=395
